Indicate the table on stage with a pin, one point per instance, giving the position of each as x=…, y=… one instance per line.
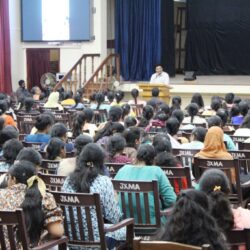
x=147, y=87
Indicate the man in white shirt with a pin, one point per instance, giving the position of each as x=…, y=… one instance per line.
x=160, y=76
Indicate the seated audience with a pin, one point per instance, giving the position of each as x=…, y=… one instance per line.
x=193, y=118
x=7, y=133
x=161, y=143
x=110, y=96
x=78, y=102
x=116, y=145
x=236, y=117
x=158, y=123
x=178, y=114
x=68, y=99
x=27, y=191
x=215, y=105
x=216, y=121
x=119, y=95
x=244, y=129
x=88, y=125
x=190, y=223
x=36, y=93
x=55, y=149
x=147, y=115
x=8, y=120
x=155, y=101
x=244, y=107
x=144, y=170
x=53, y=101
x=173, y=126
x=198, y=99
x=196, y=140
x=88, y=178
x=11, y=148
x=28, y=107
x=223, y=114
x=176, y=103
x=130, y=121
x=214, y=146
x=79, y=120
x=132, y=136
x=215, y=184
x=31, y=155
x=135, y=93
x=229, y=100
x=68, y=165
x=99, y=99
x=43, y=125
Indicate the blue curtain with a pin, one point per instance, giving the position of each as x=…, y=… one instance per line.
x=138, y=37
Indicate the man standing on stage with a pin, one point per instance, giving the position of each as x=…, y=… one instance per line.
x=160, y=76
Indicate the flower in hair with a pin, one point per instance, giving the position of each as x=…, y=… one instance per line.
x=217, y=188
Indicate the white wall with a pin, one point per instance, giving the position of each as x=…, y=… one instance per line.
x=69, y=52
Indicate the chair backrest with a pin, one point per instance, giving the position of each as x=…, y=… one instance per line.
x=52, y=110
x=63, y=118
x=34, y=145
x=135, y=203
x=100, y=116
x=113, y=168
x=246, y=146
x=53, y=182
x=178, y=175
x=12, y=223
x=138, y=244
x=25, y=123
x=78, y=210
x=137, y=109
x=244, y=159
x=239, y=237
x=49, y=167
x=186, y=156
x=229, y=167
x=239, y=140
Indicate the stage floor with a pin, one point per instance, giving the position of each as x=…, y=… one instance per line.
x=212, y=80
x=208, y=86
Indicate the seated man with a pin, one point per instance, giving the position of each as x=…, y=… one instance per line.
x=160, y=76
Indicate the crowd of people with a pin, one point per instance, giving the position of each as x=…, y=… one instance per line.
x=142, y=144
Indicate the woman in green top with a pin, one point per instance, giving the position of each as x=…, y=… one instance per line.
x=144, y=171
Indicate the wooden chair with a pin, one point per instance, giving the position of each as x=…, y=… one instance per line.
x=177, y=175
x=113, y=168
x=78, y=210
x=165, y=245
x=186, y=157
x=52, y=110
x=239, y=237
x=246, y=146
x=63, y=118
x=14, y=222
x=34, y=145
x=100, y=116
x=244, y=159
x=53, y=182
x=137, y=109
x=134, y=201
x=25, y=123
x=227, y=166
x=238, y=141
x=49, y=167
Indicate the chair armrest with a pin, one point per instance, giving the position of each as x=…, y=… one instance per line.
x=166, y=212
x=119, y=225
x=48, y=245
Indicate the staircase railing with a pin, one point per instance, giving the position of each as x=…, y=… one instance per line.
x=104, y=76
x=78, y=74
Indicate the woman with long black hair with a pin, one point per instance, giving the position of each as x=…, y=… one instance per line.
x=27, y=191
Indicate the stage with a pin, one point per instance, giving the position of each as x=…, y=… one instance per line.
x=206, y=85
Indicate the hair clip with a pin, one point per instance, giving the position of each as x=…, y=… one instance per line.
x=217, y=188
